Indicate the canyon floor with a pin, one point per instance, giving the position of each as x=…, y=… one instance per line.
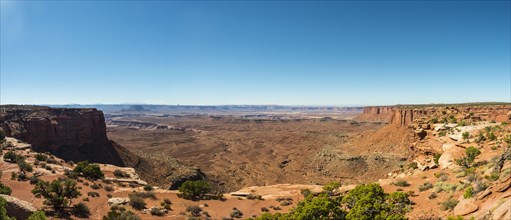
x=235, y=152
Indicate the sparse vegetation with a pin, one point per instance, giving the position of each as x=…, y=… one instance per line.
x=401, y=183
x=448, y=204
x=425, y=186
x=120, y=174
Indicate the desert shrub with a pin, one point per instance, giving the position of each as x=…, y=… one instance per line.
x=442, y=133
x=166, y=204
x=448, y=204
x=401, y=183
x=81, y=210
x=493, y=176
x=41, y=157
x=436, y=157
x=194, y=210
x=57, y=193
x=108, y=195
x=467, y=161
x=413, y=165
x=137, y=202
x=425, y=186
x=89, y=171
x=120, y=174
x=465, y=135
x=93, y=194
x=469, y=192
x=10, y=157
x=462, y=123
x=96, y=186
x=236, y=213
x=120, y=215
x=305, y=192
x=5, y=190
x=33, y=180
x=264, y=209
x=480, y=138
x=286, y=202
x=445, y=187
x=38, y=215
x=194, y=189
x=109, y=188
x=432, y=195
x=434, y=120
x=157, y=211
x=148, y=188
x=491, y=136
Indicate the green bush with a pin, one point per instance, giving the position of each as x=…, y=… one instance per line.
x=5, y=189
x=194, y=189
x=41, y=157
x=137, y=202
x=89, y=171
x=10, y=157
x=401, y=183
x=469, y=192
x=57, y=193
x=194, y=210
x=157, y=211
x=148, y=188
x=465, y=135
x=81, y=210
x=120, y=215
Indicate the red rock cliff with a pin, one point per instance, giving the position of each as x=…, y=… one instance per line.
x=405, y=115
x=72, y=134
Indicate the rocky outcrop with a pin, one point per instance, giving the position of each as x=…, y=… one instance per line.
x=71, y=134
x=377, y=113
x=18, y=208
x=404, y=115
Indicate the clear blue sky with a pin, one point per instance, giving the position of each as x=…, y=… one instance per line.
x=255, y=52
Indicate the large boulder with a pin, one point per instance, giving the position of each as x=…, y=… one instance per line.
x=118, y=201
x=465, y=207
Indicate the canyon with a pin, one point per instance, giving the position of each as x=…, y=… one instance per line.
x=273, y=152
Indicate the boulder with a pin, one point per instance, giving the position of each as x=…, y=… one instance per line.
x=465, y=207
x=18, y=208
x=485, y=193
x=503, y=211
x=118, y=201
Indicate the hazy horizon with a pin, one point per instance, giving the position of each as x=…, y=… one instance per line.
x=294, y=53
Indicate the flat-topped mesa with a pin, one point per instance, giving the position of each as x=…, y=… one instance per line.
x=404, y=115
x=71, y=134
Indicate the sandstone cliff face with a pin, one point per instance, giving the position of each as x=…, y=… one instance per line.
x=72, y=134
x=406, y=115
